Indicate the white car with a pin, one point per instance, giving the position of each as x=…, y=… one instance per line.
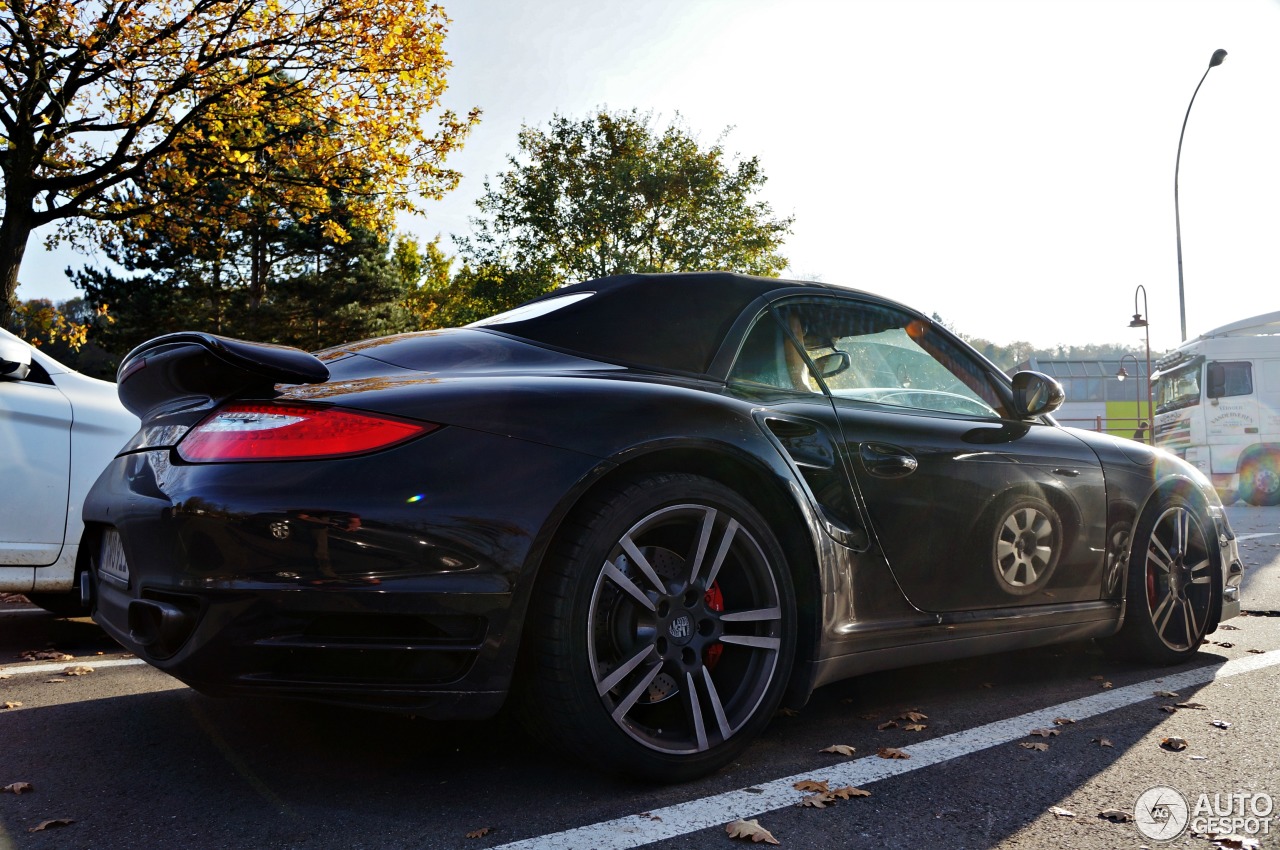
x=58, y=429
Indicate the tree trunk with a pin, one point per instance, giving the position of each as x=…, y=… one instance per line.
x=15, y=229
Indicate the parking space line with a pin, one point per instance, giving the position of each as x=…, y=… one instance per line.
x=715, y=811
x=59, y=666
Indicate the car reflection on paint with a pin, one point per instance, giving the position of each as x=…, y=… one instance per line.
x=649, y=509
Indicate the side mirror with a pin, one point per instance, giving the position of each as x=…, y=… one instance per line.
x=830, y=365
x=1035, y=394
x=15, y=360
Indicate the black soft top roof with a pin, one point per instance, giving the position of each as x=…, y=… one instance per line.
x=673, y=322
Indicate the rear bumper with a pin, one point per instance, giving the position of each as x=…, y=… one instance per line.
x=396, y=581
x=401, y=645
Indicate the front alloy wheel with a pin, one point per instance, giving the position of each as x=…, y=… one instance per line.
x=674, y=631
x=1171, y=592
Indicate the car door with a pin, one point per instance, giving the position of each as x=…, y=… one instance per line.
x=35, y=436
x=971, y=509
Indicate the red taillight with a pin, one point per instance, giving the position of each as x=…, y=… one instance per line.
x=266, y=431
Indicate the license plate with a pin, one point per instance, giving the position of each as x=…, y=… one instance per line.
x=111, y=562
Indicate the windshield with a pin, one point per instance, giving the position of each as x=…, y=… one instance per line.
x=1179, y=388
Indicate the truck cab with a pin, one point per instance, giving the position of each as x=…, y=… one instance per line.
x=1218, y=406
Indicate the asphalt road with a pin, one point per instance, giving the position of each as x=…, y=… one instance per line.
x=135, y=759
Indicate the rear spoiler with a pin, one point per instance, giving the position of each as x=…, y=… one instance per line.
x=188, y=369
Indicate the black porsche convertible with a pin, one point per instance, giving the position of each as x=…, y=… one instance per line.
x=650, y=509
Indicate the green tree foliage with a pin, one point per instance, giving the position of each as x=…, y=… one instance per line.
x=612, y=194
x=317, y=291
x=112, y=110
x=62, y=330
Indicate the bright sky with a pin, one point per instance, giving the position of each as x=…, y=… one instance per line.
x=1007, y=164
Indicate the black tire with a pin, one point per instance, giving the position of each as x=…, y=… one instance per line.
x=1171, y=592
x=1026, y=542
x=1260, y=480
x=662, y=632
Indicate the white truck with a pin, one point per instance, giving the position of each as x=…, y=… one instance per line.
x=1218, y=405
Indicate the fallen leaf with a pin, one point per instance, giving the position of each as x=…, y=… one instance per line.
x=848, y=792
x=1097, y=678
x=480, y=833
x=1169, y=709
x=46, y=655
x=1045, y=733
x=888, y=724
x=749, y=829
x=13, y=703
x=49, y=824
x=892, y=753
x=1101, y=742
x=1106, y=686
x=1221, y=724
x=1198, y=758
x=79, y=670
x=55, y=681
x=1062, y=721
x=1174, y=743
x=1257, y=652
x=1192, y=705
x=1226, y=627
x=988, y=684
x=18, y=788
x=788, y=712
x=915, y=727
x=817, y=801
x=1058, y=811
x=839, y=749
x=6, y=675
x=1033, y=745
x=1224, y=644
x=818, y=785
x=1234, y=841
x=1166, y=694
x=1116, y=815
x=913, y=714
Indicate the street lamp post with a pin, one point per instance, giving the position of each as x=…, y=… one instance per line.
x=1137, y=403
x=1140, y=321
x=1216, y=59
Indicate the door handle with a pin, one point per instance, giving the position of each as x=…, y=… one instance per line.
x=885, y=461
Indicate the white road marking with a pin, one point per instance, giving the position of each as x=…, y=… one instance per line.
x=59, y=666
x=1240, y=537
x=715, y=811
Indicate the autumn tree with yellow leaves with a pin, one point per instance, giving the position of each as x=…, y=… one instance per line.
x=119, y=110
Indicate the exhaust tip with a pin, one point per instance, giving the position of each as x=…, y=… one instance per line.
x=159, y=627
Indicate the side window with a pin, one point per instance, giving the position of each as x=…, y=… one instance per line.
x=876, y=354
x=769, y=357
x=1230, y=379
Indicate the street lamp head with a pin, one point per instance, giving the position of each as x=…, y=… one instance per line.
x=1218, y=56
x=1122, y=374
x=1138, y=321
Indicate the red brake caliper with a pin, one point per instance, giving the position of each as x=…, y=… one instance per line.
x=715, y=601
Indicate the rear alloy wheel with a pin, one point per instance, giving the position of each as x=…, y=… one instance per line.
x=669, y=629
x=1260, y=481
x=1171, y=593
